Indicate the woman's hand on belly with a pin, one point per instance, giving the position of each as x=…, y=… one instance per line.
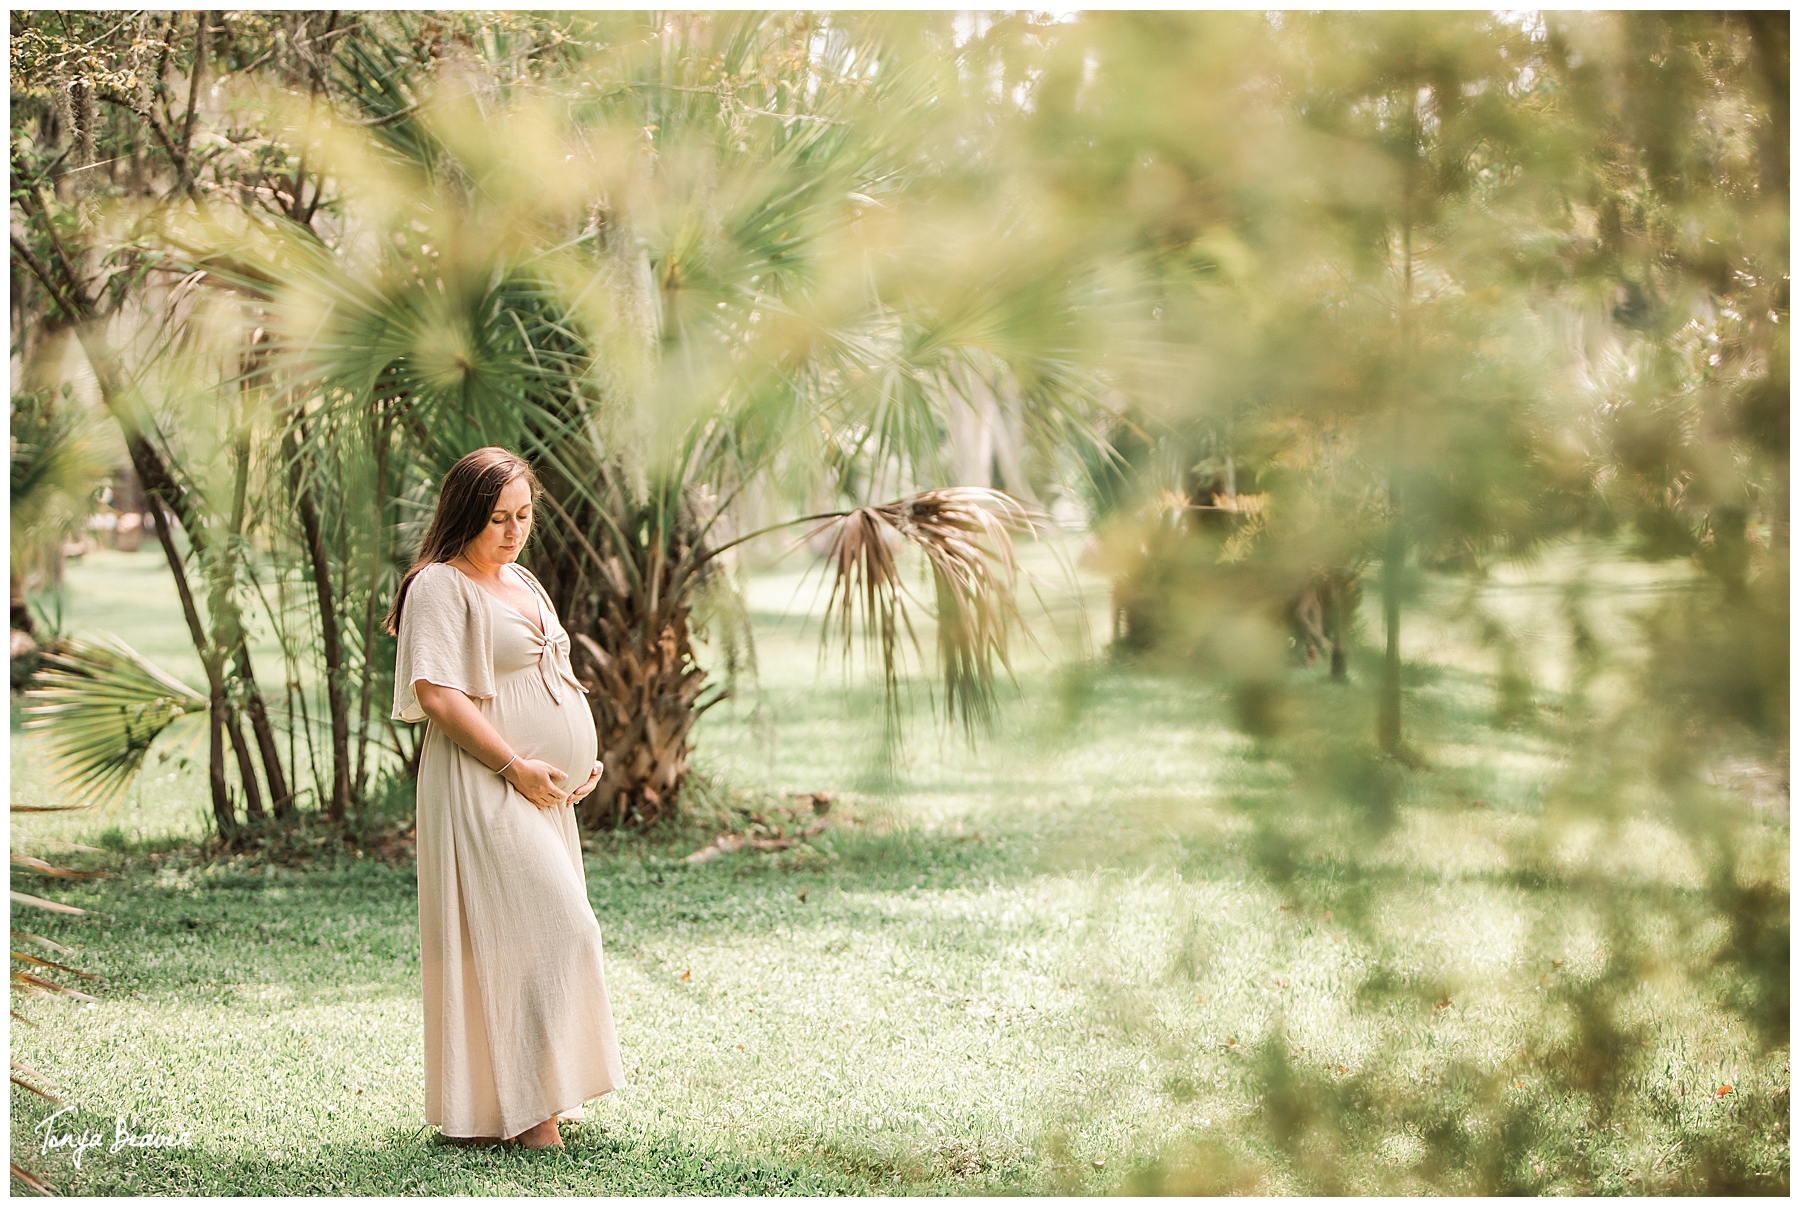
x=536, y=781
x=587, y=787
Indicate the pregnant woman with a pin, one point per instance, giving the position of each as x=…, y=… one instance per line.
x=518, y=1032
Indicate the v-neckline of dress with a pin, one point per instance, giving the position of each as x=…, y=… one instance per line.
x=540, y=626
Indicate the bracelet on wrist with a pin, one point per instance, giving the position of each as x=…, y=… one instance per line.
x=509, y=762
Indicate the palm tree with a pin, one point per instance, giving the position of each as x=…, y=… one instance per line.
x=688, y=276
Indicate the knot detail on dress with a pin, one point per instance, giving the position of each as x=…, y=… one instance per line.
x=554, y=665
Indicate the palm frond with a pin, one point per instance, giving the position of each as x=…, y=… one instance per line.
x=101, y=705
x=31, y=959
x=30, y=1179
x=965, y=534
x=55, y=464
x=31, y=981
x=52, y=944
x=28, y=1071
x=38, y=865
x=866, y=579
x=55, y=907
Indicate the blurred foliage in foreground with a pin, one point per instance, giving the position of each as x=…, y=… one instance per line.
x=1289, y=307
x=1443, y=291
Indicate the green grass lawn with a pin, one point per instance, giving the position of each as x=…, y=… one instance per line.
x=1070, y=959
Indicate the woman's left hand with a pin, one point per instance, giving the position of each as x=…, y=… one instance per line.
x=587, y=787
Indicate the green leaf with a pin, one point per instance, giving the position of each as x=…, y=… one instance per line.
x=101, y=705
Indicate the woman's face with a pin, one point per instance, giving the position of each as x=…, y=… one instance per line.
x=507, y=527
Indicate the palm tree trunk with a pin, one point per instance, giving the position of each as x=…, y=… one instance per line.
x=282, y=800
x=227, y=626
x=159, y=487
x=215, y=764
x=253, y=806
x=368, y=645
x=215, y=682
x=633, y=650
x=328, y=630
x=643, y=684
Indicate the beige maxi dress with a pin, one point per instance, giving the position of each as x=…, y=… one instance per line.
x=517, y=1024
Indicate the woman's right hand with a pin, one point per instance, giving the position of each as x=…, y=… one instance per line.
x=536, y=781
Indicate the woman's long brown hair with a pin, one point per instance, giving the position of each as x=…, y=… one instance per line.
x=465, y=505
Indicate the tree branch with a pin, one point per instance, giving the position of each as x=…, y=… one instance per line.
x=72, y=281
x=194, y=78
x=31, y=261
x=162, y=136
x=31, y=200
x=303, y=214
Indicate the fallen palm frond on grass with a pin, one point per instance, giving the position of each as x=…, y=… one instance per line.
x=28, y=1071
x=38, y=865
x=19, y=898
x=52, y=944
x=725, y=844
x=30, y=1179
x=763, y=826
x=31, y=983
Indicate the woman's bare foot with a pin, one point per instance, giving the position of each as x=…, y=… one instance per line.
x=544, y=1135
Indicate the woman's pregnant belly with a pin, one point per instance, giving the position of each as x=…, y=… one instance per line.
x=537, y=726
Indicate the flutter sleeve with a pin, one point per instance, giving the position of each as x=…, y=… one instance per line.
x=444, y=639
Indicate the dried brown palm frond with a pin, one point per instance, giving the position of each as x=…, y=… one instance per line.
x=965, y=534
x=52, y=944
x=30, y=1179
x=30, y=959
x=19, y=898
x=19, y=1081
x=31, y=982
x=38, y=865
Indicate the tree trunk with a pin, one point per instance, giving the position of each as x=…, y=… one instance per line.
x=128, y=503
x=328, y=630
x=643, y=683
x=1337, y=586
x=215, y=764
x=282, y=800
x=215, y=682
x=253, y=806
x=1388, y=721
x=227, y=626
x=633, y=650
x=368, y=683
